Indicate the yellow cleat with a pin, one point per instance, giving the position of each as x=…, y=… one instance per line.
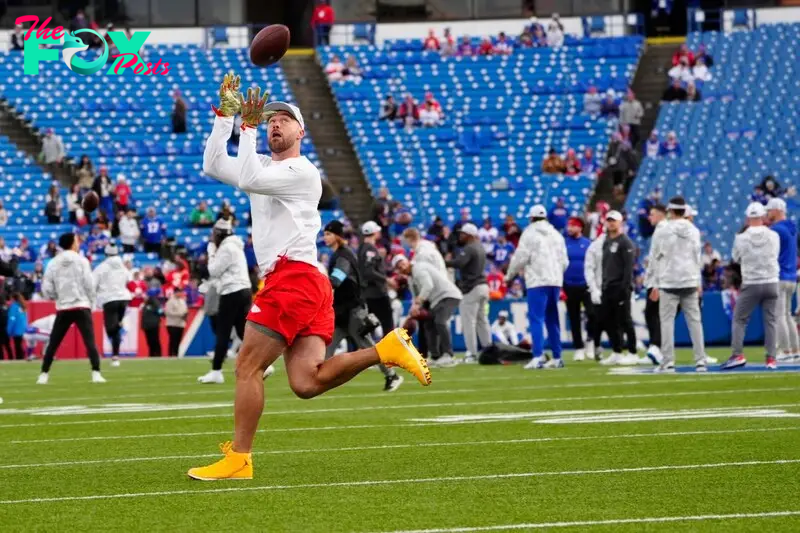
x=396, y=349
x=234, y=465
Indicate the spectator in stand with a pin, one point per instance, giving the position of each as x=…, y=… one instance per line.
x=503, y=46
x=588, y=162
x=558, y=215
x=192, y=293
x=712, y=280
x=526, y=39
x=430, y=99
x=592, y=101
x=104, y=188
x=97, y=240
x=465, y=48
x=74, y=203
x=85, y=174
x=625, y=134
x=408, y=112
x=102, y=221
x=692, y=93
x=512, y=231
x=534, y=24
x=652, y=146
x=23, y=252
x=630, y=114
x=488, y=234
x=539, y=37
x=572, y=165
x=129, y=231
x=674, y=93
x=37, y=276
x=388, y=109
x=322, y=20
x=176, y=311
x=429, y=117
x=138, y=289
x=486, y=48
x=671, y=147
x=553, y=164
x=621, y=162
x=771, y=188
x=3, y=215
x=700, y=71
x=681, y=72
x=702, y=54
x=431, y=42
x=501, y=254
x=18, y=39
x=227, y=213
x=496, y=282
x=710, y=254
x=517, y=290
x=334, y=68
x=352, y=70
x=154, y=231
x=53, y=151
x=122, y=193
x=151, y=322
x=758, y=195
x=179, y=113
x=48, y=251
x=608, y=106
x=201, y=216
x=683, y=54
x=53, y=205
x=555, y=34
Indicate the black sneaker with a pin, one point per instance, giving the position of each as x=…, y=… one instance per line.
x=393, y=383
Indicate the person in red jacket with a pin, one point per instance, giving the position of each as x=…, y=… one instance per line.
x=122, y=193
x=322, y=21
x=682, y=52
x=138, y=288
x=431, y=43
x=497, y=283
x=486, y=48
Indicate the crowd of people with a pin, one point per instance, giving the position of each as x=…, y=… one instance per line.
x=408, y=113
x=689, y=71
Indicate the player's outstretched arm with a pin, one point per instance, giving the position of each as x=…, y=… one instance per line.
x=216, y=161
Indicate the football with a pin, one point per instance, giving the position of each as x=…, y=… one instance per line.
x=90, y=201
x=269, y=45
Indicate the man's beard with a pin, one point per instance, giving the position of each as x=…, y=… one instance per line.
x=278, y=145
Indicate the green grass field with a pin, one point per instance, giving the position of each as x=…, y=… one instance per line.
x=482, y=449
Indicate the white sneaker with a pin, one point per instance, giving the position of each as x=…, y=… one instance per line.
x=115, y=363
x=711, y=360
x=43, y=378
x=268, y=372
x=784, y=357
x=654, y=355
x=630, y=360
x=97, y=377
x=446, y=361
x=590, y=351
x=535, y=363
x=664, y=368
x=554, y=363
x=613, y=359
x=579, y=355
x=213, y=376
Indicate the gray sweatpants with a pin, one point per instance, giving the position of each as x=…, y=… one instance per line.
x=474, y=320
x=361, y=342
x=750, y=297
x=787, y=328
x=668, y=309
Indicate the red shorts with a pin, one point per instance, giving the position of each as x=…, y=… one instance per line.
x=296, y=301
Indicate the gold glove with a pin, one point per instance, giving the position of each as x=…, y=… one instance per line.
x=229, y=103
x=252, y=107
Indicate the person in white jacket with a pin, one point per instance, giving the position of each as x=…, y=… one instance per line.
x=111, y=278
x=129, y=231
x=675, y=266
x=756, y=249
x=593, y=272
x=542, y=255
x=227, y=265
x=425, y=251
x=68, y=280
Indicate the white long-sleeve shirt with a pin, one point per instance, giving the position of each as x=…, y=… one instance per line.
x=593, y=264
x=228, y=264
x=68, y=280
x=427, y=252
x=541, y=255
x=111, y=279
x=283, y=195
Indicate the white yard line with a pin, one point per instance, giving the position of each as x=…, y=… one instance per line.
x=410, y=481
x=406, y=446
x=412, y=406
x=611, y=522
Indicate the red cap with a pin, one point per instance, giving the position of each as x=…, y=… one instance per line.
x=576, y=221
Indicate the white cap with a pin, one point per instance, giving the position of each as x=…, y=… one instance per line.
x=273, y=107
x=614, y=215
x=776, y=203
x=223, y=225
x=755, y=210
x=469, y=229
x=398, y=259
x=502, y=314
x=370, y=228
x=537, y=211
x=690, y=211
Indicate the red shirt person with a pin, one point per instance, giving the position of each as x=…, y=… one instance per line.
x=322, y=19
x=431, y=42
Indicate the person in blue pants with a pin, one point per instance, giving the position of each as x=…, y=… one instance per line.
x=542, y=256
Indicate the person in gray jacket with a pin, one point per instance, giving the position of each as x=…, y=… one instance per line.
x=228, y=265
x=756, y=249
x=111, y=278
x=674, y=269
x=470, y=262
x=432, y=289
x=68, y=280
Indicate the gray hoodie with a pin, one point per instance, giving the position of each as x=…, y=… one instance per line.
x=68, y=280
x=111, y=279
x=675, y=255
x=428, y=283
x=228, y=265
x=756, y=250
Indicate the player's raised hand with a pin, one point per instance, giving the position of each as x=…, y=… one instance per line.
x=253, y=106
x=229, y=103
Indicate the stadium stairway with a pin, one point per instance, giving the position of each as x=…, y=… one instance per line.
x=649, y=84
x=325, y=124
